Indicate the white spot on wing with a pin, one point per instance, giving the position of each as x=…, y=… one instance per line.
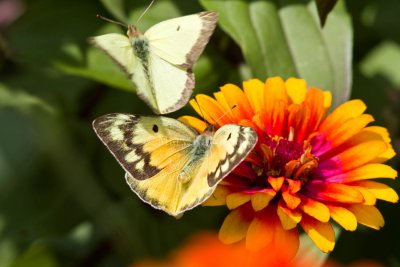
x=132, y=156
x=225, y=166
x=140, y=165
x=116, y=134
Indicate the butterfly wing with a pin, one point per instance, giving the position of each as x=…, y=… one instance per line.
x=169, y=87
x=180, y=41
x=119, y=48
x=143, y=145
x=230, y=146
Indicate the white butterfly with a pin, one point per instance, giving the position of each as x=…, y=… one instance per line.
x=168, y=164
x=160, y=61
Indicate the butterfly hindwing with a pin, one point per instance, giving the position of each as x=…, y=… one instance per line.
x=231, y=144
x=119, y=48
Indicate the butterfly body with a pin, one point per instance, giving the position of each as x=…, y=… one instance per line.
x=159, y=62
x=167, y=163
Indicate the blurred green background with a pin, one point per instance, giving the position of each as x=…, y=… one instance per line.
x=63, y=198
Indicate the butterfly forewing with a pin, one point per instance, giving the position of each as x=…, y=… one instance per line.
x=132, y=140
x=180, y=41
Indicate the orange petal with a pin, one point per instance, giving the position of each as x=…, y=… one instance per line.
x=276, y=183
x=342, y=113
x=198, y=125
x=235, y=200
x=368, y=215
x=289, y=218
x=296, y=89
x=380, y=190
x=260, y=232
x=235, y=96
x=361, y=154
x=234, y=228
x=286, y=239
x=291, y=200
x=254, y=90
x=343, y=217
x=334, y=192
x=207, y=107
x=368, y=171
x=348, y=129
x=315, y=209
x=321, y=234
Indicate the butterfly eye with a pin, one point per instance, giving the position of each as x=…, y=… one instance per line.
x=155, y=128
x=229, y=136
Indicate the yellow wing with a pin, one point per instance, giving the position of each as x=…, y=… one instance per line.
x=230, y=146
x=143, y=145
x=185, y=182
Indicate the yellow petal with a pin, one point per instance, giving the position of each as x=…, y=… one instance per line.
x=368, y=171
x=296, y=89
x=218, y=198
x=327, y=100
x=315, y=209
x=234, y=228
x=261, y=199
x=369, y=197
x=380, y=190
x=321, y=234
x=343, y=217
x=368, y=215
x=254, y=90
x=260, y=233
x=235, y=200
x=289, y=218
x=197, y=124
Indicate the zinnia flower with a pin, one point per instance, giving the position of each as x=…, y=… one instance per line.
x=307, y=169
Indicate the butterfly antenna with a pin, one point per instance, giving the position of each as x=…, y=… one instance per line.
x=112, y=21
x=225, y=113
x=201, y=111
x=145, y=11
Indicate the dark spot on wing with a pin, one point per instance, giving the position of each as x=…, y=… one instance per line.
x=155, y=128
x=178, y=28
x=229, y=136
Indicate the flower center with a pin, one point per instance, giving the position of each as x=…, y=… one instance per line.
x=283, y=157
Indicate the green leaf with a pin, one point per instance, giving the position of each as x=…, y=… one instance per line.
x=285, y=39
x=21, y=100
x=97, y=66
x=116, y=8
x=324, y=7
x=384, y=61
x=37, y=255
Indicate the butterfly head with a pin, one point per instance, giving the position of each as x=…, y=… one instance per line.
x=133, y=32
